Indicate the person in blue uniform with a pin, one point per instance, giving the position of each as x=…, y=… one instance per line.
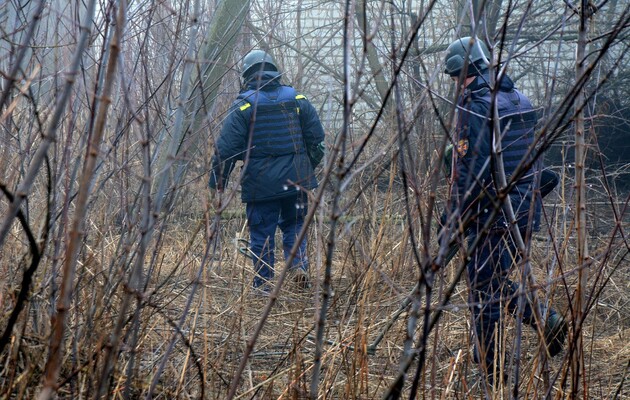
x=278, y=135
x=474, y=197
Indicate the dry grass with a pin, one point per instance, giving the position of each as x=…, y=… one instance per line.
x=373, y=271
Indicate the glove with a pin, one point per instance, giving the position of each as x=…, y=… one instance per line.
x=316, y=153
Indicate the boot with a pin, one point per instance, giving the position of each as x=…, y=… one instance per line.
x=555, y=334
x=300, y=279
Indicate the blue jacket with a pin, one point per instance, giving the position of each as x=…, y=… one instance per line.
x=277, y=133
x=473, y=187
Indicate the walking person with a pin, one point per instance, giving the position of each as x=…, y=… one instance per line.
x=278, y=135
x=474, y=191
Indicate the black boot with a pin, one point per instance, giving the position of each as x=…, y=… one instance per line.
x=555, y=334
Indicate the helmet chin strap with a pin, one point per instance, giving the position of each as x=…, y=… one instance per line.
x=483, y=53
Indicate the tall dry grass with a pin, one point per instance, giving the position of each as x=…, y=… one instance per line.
x=372, y=274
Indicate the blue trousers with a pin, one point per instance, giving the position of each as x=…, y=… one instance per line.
x=263, y=218
x=491, y=291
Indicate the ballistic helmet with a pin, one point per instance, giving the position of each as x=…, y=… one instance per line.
x=478, y=56
x=253, y=61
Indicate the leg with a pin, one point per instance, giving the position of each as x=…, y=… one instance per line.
x=262, y=219
x=510, y=288
x=555, y=328
x=485, y=274
x=292, y=213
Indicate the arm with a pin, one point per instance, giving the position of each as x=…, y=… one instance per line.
x=472, y=190
x=473, y=152
x=312, y=131
x=229, y=147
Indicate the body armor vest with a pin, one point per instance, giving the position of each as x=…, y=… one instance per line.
x=274, y=116
x=517, y=121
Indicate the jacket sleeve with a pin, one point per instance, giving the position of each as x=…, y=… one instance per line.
x=230, y=146
x=312, y=131
x=548, y=181
x=473, y=152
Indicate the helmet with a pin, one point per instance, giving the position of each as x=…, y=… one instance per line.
x=478, y=56
x=253, y=61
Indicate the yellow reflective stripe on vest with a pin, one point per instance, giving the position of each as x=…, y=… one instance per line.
x=245, y=106
x=299, y=97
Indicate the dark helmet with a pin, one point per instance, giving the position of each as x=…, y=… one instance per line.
x=253, y=61
x=478, y=56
